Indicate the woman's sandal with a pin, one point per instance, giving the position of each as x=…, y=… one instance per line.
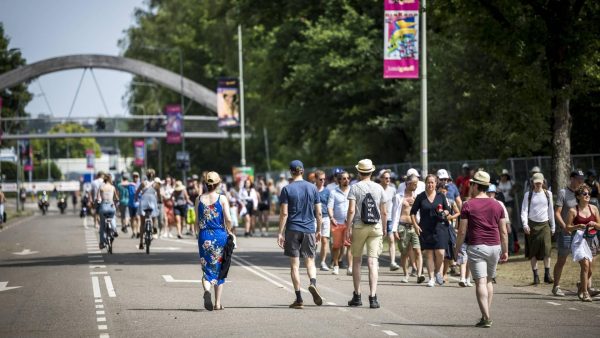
x=218, y=308
x=586, y=297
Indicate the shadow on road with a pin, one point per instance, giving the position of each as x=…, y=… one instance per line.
x=430, y=325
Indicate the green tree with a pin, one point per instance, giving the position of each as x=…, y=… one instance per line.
x=67, y=147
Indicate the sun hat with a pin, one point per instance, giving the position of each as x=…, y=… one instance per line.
x=179, y=186
x=296, y=165
x=491, y=188
x=212, y=178
x=538, y=178
x=505, y=172
x=384, y=171
x=465, y=165
x=365, y=166
x=481, y=177
x=412, y=172
x=442, y=174
x=195, y=177
x=157, y=180
x=535, y=169
x=135, y=173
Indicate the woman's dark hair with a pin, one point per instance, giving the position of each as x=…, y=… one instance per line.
x=212, y=187
x=441, y=185
x=481, y=187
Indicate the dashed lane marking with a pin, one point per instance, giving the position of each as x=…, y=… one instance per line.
x=553, y=303
x=97, y=266
x=100, y=312
x=96, y=287
x=102, y=327
x=98, y=272
x=574, y=309
x=109, y=286
x=389, y=333
x=101, y=319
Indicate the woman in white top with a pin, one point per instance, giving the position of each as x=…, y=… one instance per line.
x=249, y=197
x=537, y=216
x=107, y=195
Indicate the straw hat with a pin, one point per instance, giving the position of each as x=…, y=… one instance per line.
x=481, y=177
x=365, y=166
x=212, y=178
x=179, y=186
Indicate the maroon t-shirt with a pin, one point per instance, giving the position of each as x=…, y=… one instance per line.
x=483, y=215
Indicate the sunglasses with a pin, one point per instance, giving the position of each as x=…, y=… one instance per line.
x=345, y=178
x=386, y=178
x=585, y=194
x=321, y=179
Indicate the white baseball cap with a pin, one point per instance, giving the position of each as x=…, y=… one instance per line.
x=411, y=172
x=442, y=174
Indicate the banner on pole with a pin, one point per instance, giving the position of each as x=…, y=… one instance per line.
x=400, y=36
x=174, y=123
x=241, y=174
x=26, y=154
x=138, y=146
x=90, y=158
x=228, y=103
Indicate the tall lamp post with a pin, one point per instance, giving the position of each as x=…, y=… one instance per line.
x=180, y=52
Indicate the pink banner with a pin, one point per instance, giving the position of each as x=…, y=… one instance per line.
x=138, y=146
x=90, y=157
x=401, y=39
x=174, y=123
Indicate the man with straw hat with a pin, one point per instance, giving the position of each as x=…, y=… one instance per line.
x=365, y=223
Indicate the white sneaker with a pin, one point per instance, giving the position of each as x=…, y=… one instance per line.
x=462, y=283
x=404, y=280
x=469, y=283
x=431, y=283
x=324, y=267
x=394, y=266
x=349, y=272
x=336, y=270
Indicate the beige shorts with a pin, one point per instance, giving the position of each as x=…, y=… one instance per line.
x=367, y=235
x=483, y=260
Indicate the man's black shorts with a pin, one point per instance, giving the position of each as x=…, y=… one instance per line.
x=299, y=244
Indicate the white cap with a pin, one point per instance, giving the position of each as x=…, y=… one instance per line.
x=442, y=173
x=465, y=165
x=411, y=172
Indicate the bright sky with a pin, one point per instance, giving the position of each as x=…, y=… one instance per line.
x=44, y=29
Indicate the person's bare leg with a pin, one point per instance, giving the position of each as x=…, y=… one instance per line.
x=558, y=268
x=373, y=263
x=336, y=256
x=392, y=241
x=481, y=292
x=295, y=272
x=311, y=269
x=430, y=263
x=419, y=261
x=218, y=292
x=324, y=249
x=356, y=262
x=438, y=260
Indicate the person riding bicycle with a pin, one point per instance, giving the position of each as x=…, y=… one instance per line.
x=148, y=200
x=106, y=196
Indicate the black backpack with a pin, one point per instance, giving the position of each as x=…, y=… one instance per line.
x=369, y=213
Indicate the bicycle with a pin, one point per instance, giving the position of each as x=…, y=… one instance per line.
x=108, y=232
x=148, y=229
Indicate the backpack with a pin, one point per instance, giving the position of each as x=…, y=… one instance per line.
x=369, y=213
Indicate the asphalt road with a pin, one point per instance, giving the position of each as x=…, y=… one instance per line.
x=67, y=288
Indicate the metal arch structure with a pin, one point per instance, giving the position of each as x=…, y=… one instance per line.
x=164, y=77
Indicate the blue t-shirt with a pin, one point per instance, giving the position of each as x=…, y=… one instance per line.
x=301, y=197
x=452, y=192
x=324, y=197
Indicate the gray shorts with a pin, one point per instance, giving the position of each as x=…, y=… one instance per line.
x=483, y=260
x=326, y=227
x=124, y=210
x=299, y=244
x=563, y=244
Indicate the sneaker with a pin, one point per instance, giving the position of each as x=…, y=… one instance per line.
x=355, y=301
x=349, y=272
x=586, y=297
x=373, y=303
x=141, y=246
x=343, y=265
x=548, y=280
x=324, y=267
x=394, y=266
x=404, y=280
x=431, y=283
x=155, y=236
x=336, y=270
x=593, y=293
x=469, y=283
x=462, y=283
x=315, y=294
x=124, y=230
x=557, y=291
x=413, y=272
x=297, y=305
x=208, y=305
x=439, y=279
x=484, y=323
x=420, y=279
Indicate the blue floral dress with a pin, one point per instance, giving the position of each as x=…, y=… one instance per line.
x=211, y=240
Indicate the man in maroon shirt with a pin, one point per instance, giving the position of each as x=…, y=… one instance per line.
x=463, y=182
x=483, y=224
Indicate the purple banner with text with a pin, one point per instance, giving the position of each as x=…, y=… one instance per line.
x=401, y=39
x=138, y=146
x=174, y=123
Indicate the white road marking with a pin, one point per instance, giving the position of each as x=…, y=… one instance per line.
x=99, y=312
x=262, y=276
x=99, y=306
x=94, y=251
x=101, y=319
x=574, y=309
x=331, y=303
x=252, y=268
x=168, y=248
x=553, y=303
x=25, y=252
x=170, y=279
x=96, y=261
x=109, y=286
x=343, y=309
x=97, y=266
x=98, y=273
x=102, y=327
x=389, y=333
x=376, y=325
x=95, y=256
x=96, y=287
x=4, y=287
x=99, y=300
x=104, y=335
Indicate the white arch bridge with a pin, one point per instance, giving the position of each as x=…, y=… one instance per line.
x=116, y=127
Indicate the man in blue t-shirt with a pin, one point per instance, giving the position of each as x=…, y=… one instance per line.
x=298, y=231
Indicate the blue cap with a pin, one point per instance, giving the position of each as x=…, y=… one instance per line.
x=338, y=171
x=492, y=188
x=296, y=165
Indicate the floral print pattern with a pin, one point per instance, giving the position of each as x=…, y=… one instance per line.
x=211, y=241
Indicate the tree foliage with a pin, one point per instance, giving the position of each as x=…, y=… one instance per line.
x=313, y=76
x=68, y=147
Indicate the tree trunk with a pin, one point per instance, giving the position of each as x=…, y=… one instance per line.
x=561, y=143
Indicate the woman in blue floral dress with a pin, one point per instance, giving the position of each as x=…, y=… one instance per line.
x=213, y=225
